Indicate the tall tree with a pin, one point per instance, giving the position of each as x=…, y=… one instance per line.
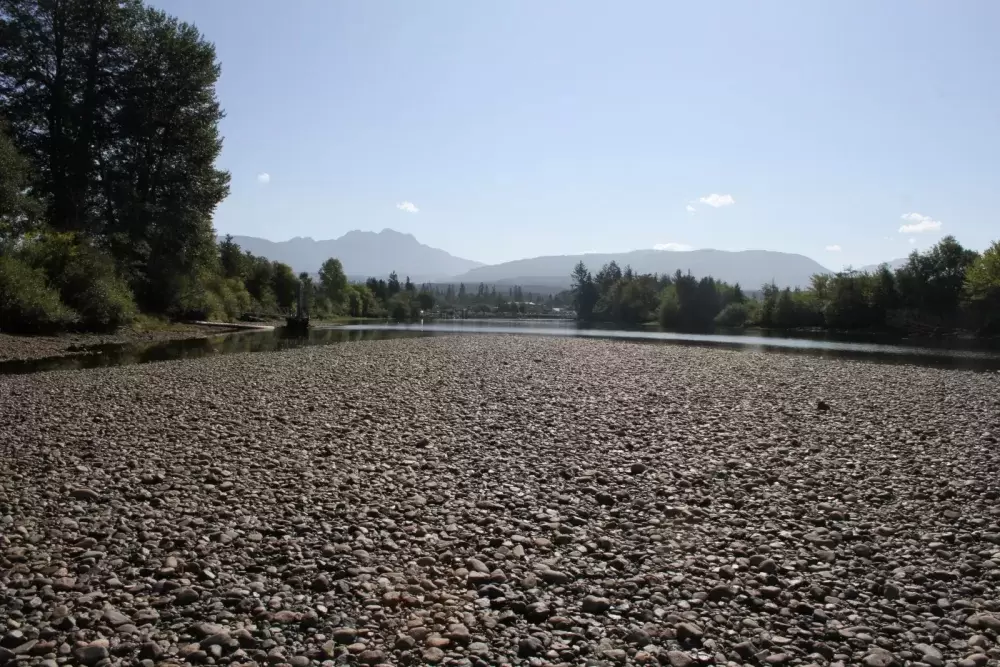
x=18, y=210
x=285, y=286
x=114, y=105
x=932, y=281
x=333, y=281
x=584, y=292
x=231, y=258
x=982, y=288
x=160, y=172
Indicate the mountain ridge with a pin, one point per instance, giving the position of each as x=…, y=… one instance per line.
x=750, y=268
x=363, y=253
x=376, y=254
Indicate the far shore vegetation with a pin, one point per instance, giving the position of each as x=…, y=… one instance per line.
x=947, y=288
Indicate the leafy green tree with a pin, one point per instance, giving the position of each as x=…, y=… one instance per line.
x=670, y=312
x=848, y=305
x=378, y=288
x=932, y=282
x=333, y=282
x=982, y=289
x=734, y=315
x=367, y=302
x=308, y=293
x=821, y=285
x=259, y=283
x=285, y=286
x=425, y=300
x=114, y=106
x=609, y=274
x=785, y=312
x=231, y=258
x=164, y=186
x=736, y=295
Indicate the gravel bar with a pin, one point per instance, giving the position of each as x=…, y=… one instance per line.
x=491, y=500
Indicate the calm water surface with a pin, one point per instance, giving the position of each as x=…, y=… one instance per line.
x=945, y=354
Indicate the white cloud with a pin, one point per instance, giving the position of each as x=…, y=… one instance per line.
x=920, y=224
x=833, y=248
x=690, y=209
x=672, y=246
x=407, y=206
x=263, y=178
x=715, y=201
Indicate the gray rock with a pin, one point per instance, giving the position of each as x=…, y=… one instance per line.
x=91, y=654
x=879, y=658
x=689, y=632
x=593, y=604
x=115, y=617
x=83, y=493
x=529, y=646
x=679, y=659
x=433, y=655
x=554, y=577
x=184, y=596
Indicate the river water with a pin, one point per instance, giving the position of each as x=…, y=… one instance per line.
x=944, y=354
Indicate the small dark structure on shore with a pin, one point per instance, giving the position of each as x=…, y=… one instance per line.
x=298, y=322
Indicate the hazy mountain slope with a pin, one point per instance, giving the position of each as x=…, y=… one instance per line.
x=750, y=268
x=893, y=264
x=363, y=254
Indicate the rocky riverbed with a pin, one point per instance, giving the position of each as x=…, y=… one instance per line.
x=501, y=500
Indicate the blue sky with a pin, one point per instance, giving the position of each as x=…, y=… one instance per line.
x=499, y=130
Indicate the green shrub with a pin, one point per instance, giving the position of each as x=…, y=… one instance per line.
x=85, y=278
x=403, y=307
x=399, y=312
x=669, y=313
x=102, y=299
x=213, y=298
x=236, y=300
x=733, y=315
x=27, y=303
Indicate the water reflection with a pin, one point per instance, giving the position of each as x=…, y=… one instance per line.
x=946, y=354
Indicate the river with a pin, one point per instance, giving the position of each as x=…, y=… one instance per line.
x=939, y=353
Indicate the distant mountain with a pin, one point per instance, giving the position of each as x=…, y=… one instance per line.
x=363, y=254
x=366, y=254
x=749, y=268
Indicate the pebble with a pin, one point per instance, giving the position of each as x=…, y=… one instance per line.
x=475, y=500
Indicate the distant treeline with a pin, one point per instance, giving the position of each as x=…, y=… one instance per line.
x=945, y=288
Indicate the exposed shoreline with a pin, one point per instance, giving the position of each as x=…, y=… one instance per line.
x=487, y=499
x=27, y=347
